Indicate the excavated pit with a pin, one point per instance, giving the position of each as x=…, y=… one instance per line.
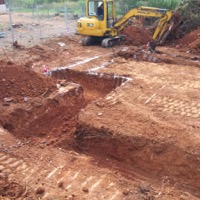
x=95, y=85
x=139, y=157
x=55, y=111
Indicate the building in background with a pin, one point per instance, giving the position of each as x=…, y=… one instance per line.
x=2, y=6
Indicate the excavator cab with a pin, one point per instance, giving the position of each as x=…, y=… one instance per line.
x=102, y=10
x=100, y=18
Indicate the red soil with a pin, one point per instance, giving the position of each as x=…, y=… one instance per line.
x=136, y=35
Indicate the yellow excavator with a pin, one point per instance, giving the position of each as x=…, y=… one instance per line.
x=100, y=23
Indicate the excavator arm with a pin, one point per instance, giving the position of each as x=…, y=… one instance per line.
x=163, y=14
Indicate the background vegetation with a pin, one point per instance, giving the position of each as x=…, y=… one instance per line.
x=126, y=4
x=77, y=7
x=189, y=9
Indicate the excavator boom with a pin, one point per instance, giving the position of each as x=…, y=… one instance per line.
x=163, y=14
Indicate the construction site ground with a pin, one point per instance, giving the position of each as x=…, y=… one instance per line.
x=93, y=123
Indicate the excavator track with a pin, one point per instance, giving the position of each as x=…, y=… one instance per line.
x=110, y=42
x=87, y=41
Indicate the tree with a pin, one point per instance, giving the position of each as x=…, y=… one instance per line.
x=190, y=12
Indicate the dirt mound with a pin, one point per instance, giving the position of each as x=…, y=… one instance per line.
x=18, y=82
x=159, y=56
x=43, y=52
x=192, y=41
x=190, y=37
x=136, y=35
x=53, y=52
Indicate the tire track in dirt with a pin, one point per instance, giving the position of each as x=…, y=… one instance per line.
x=91, y=187
x=192, y=84
x=177, y=106
x=12, y=165
x=95, y=186
x=171, y=103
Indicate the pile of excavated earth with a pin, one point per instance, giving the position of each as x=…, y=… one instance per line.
x=82, y=122
x=191, y=41
x=136, y=35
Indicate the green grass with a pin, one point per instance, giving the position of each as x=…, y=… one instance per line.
x=168, y=4
x=50, y=8
x=122, y=7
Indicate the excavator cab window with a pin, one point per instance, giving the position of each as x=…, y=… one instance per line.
x=110, y=14
x=96, y=8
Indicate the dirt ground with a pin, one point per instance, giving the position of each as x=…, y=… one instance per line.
x=82, y=122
